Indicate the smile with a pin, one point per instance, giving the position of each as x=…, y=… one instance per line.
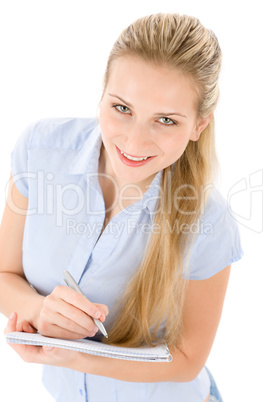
x=133, y=158
x=133, y=161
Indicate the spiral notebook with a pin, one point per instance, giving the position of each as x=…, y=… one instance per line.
x=159, y=353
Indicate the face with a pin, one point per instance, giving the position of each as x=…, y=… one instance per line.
x=146, y=112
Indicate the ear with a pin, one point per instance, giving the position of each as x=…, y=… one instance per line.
x=200, y=126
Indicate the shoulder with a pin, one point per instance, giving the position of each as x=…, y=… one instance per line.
x=62, y=133
x=216, y=239
x=215, y=207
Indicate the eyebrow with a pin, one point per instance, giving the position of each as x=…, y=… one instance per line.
x=156, y=114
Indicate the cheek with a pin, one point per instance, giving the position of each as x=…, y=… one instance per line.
x=174, y=147
x=108, y=124
x=112, y=124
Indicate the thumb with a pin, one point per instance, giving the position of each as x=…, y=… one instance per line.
x=11, y=324
x=47, y=348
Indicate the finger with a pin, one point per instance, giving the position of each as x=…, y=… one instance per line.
x=11, y=324
x=58, y=332
x=104, y=311
x=76, y=299
x=71, y=305
x=19, y=326
x=59, y=312
x=29, y=328
x=25, y=326
x=48, y=348
x=28, y=353
x=67, y=323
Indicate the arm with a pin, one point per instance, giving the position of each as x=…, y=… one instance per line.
x=15, y=292
x=202, y=312
x=63, y=313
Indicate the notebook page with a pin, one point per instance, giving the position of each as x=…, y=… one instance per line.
x=145, y=353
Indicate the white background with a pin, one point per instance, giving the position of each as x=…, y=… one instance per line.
x=53, y=56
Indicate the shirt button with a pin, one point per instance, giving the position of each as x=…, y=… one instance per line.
x=81, y=391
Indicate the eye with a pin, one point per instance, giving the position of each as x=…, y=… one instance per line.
x=167, y=121
x=122, y=109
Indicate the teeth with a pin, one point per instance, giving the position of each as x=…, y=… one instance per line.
x=134, y=159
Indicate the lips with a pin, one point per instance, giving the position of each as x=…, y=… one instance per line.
x=133, y=161
x=134, y=157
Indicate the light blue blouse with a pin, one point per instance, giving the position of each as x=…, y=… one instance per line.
x=55, y=164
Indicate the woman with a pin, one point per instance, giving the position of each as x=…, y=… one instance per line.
x=126, y=204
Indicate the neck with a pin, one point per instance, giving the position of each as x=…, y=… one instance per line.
x=105, y=168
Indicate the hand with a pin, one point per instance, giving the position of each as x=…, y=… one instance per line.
x=67, y=314
x=21, y=326
x=38, y=354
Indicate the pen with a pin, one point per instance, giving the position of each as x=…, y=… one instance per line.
x=69, y=280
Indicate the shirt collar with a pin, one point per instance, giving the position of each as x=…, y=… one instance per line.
x=87, y=158
x=87, y=161
x=150, y=197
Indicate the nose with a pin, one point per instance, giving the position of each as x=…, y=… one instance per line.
x=137, y=139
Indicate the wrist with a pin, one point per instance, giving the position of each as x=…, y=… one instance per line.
x=84, y=363
x=38, y=305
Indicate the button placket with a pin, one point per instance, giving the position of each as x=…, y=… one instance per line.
x=81, y=387
x=87, y=241
x=115, y=232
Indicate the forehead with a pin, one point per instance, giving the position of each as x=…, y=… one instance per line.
x=136, y=80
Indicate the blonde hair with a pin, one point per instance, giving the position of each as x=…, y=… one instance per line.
x=156, y=293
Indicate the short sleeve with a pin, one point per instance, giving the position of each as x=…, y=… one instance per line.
x=218, y=243
x=19, y=161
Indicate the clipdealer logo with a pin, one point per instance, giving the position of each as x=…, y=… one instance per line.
x=244, y=198
x=245, y=201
